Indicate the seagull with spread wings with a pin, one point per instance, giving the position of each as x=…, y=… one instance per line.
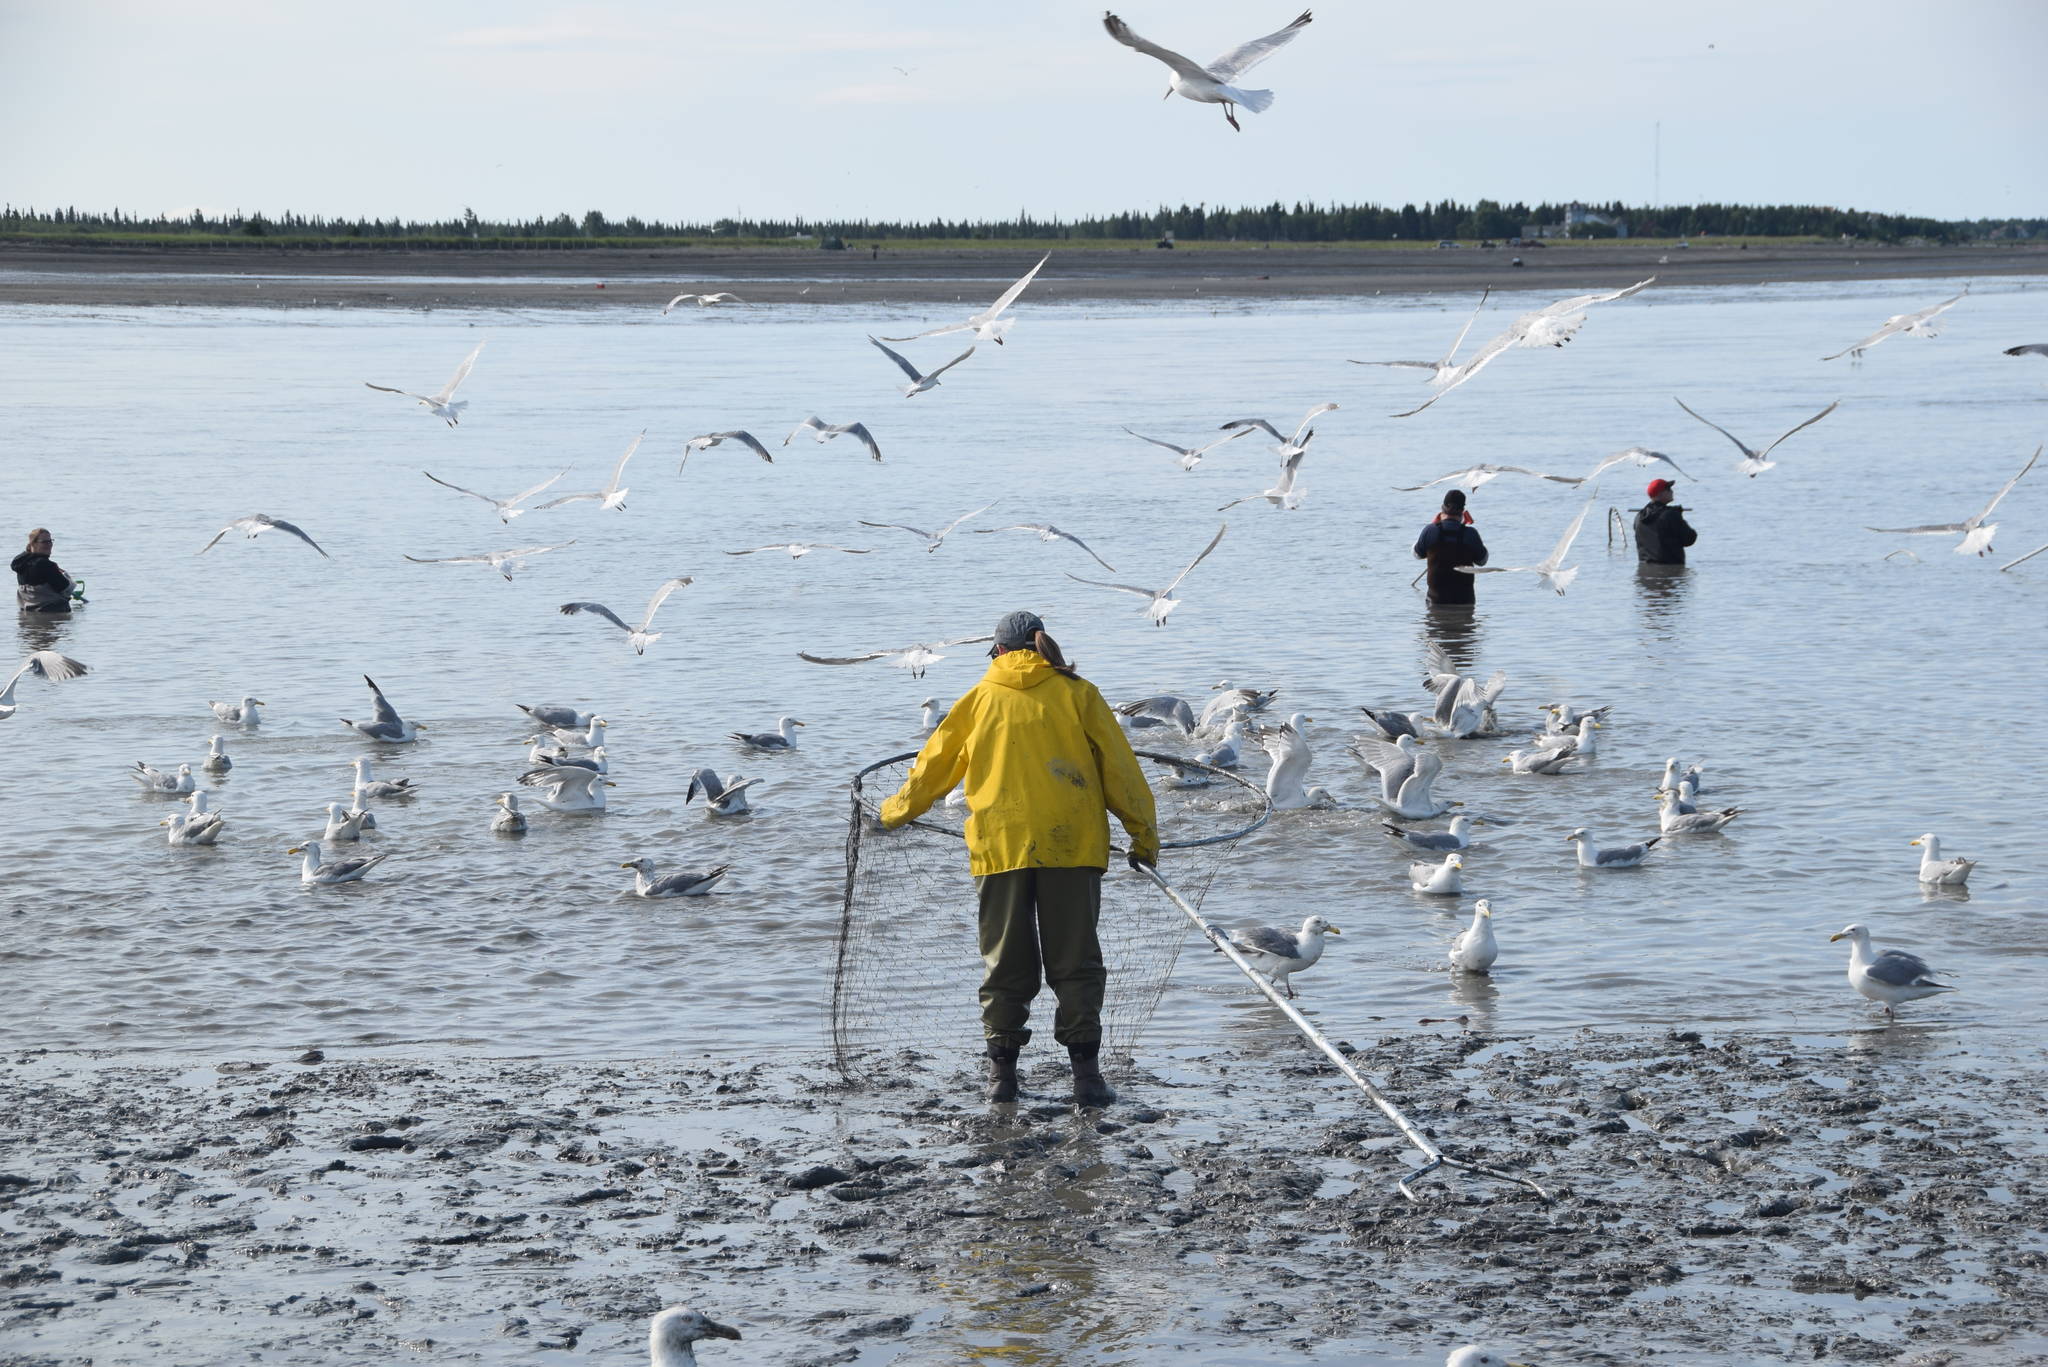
x=443, y=405
x=1635, y=455
x=1191, y=456
x=916, y=658
x=611, y=498
x=932, y=540
x=44, y=664
x=1919, y=324
x=504, y=562
x=1216, y=82
x=1047, y=532
x=1551, y=571
x=988, y=325
x=639, y=637
x=385, y=724
x=1285, y=493
x=920, y=381
x=1162, y=602
x=507, y=508
x=822, y=431
x=1753, y=462
x=1976, y=535
x=256, y=524
x=703, y=300
x=1287, y=446
x=1437, y=369
x=711, y=439
x=1472, y=476
x=797, y=550
x=1552, y=325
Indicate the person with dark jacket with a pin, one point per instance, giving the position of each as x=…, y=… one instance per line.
x=1446, y=543
x=40, y=585
x=1662, y=533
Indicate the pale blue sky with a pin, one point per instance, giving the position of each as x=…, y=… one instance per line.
x=781, y=107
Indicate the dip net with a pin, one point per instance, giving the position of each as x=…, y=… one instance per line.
x=908, y=972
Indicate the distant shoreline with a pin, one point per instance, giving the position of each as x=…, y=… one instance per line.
x=903, y=273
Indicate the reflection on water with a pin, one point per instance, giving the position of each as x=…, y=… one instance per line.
x=42, y=631
x=1454, y=628
x=1661, y=592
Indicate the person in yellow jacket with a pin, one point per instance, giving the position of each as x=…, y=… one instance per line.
x=1045, y=763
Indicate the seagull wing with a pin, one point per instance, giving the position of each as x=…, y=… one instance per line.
x=1442, y=479
x=1978, y=520
x=1245, y=56
x=1177, y=450
x=458, y=559
x=1069, y=536
x=1009, y=296
x=1268, y=940
x=618, y=471
x=474, y=494
x=1121, y=588
x=947, y=530
x=1739, y=445
x=1564, y=543
x=48, y=664
x=517, y=498
x=285, y=526
x=661, y=596
x=589, y=497
x=844, y=659
x=571, y=609
x=1182, y=66
x=860, y=433
x=461, y=374
x=1460, y=373
x=1196, y=561
x=1270, y=430
x=939, y=331
x=380, y=706
x=900, y=527
x=387, y=389
x=1922, y=531
x=1461, y=333
x=1583, y=301
x=1873, y=339
x=905, y=366
x=1310, y=417
x=950, y=364
x=813, y=425
x=1802, y=426
x=747, y=440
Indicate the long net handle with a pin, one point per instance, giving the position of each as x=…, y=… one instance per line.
x=1422, y=1142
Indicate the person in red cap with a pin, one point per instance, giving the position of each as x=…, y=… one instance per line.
x=1662, y=533
x=1450, y=540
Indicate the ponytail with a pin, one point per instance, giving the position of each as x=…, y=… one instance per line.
x=1049, y=651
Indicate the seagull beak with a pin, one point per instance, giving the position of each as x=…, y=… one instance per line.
x=1332, y=930
x=296, y=849
x=720, y=1331
x=805, y=723
x=625, y=866
x=1834, y=937
x=1912, y=842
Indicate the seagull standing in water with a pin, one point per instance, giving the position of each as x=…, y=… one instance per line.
x=1753, y=462
x=989, y=325
x=1474, y=950
x=1919, y=324
x=1891, y=978
x=1280, y=954
x=1976, y=536
x=920, y=381
x=639, y=637
x=443, y=405
x=44, y=664
x=1216, y=82
x=611, y=498
x=1162, y=601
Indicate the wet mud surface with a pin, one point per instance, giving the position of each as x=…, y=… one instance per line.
x=1720, y=1199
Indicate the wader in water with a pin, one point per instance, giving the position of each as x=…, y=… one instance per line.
x=1446, y=545
x=42, y=587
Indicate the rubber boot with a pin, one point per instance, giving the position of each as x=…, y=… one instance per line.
x=1002, y=1074
x=1090, y=1090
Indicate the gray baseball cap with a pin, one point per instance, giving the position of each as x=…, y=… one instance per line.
x=1015, y=630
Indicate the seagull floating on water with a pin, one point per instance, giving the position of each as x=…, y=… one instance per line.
x=1287, y=746
x=822, y=431
x=202, y=829
x=1216, y=82
x=44, y=664
x=1229, y=752
x=687, y=883
x=1919, y=324
x=989, y=325
x=217, y=761
x=639, y=637
x=556, y=714
x=508, y=820
x=241, y=713
x=1552, y=325
x=255, y=525
x=1616, y=857
x=920, y=381
x=507, y=508
x=1541, y=761
x=722, y=797
x=1976, y=535
x=368, y=785
x=1458, y=837
x=385, y=724
x=1438, y=880
x=783, y=737
x=915, y=658
x=1472, y=1355
x=1280, y=954
x=443, y=405
x=1891, y=978
x=566, y=788
x=169, y=784
x=315, y=869
x=1753, y=462
x=344, y=824
x=1673, y=818
x=1952, y=873
x=504, y=562
x=611, y=498
x=1162, y=601
x=932, y=712
x=1474, y=951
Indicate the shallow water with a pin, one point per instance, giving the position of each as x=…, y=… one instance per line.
x=1846, y=702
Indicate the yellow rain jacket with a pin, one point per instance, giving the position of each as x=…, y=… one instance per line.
x=1044, y=762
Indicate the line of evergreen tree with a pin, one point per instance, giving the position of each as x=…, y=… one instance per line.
x=1274, y=222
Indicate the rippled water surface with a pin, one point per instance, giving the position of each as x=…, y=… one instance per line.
x=1845, y=701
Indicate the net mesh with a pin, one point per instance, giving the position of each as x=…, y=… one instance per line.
x=908, y=971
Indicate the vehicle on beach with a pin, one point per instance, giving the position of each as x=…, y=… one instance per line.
x=1447, y=245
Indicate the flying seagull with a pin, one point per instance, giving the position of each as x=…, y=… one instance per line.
x=611, y=498
x=444, y=404
x=797, y=550
x=639, y=637
x=1635, y=455
x=703, y=300
x=1472, y=476
x=1285, y=493
x=1753, y=462
x=504, y=562
x=1436, y=369
x=1191, y=456
x=916, y=658
x=823, y=431
x=44, y=664
x=385, y=723
x=1288, y=445
x=1976, y=536
x=988, y=325
x=919, y=381
x=2029, y=349
x=1047, y=532
x=1162, y=600
x=711, y=439
x=1551, y=571
x=256, y=524
x=507, y=508
x=1213, y=84
x=1919, y=324
x=932, y=540
x=1552, y=325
